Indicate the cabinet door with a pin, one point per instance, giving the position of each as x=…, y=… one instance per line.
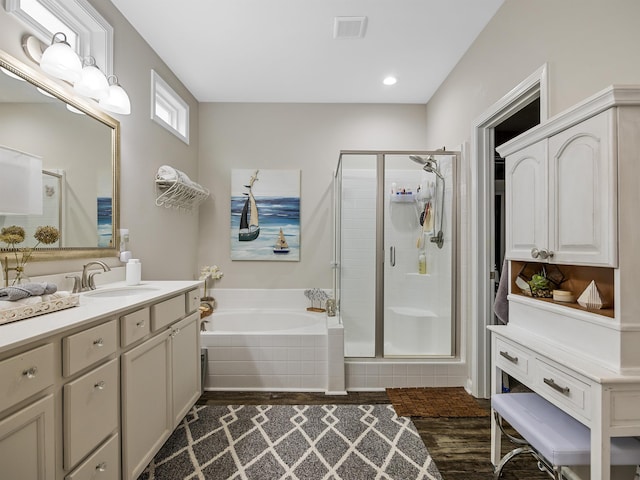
x=27, y=446
x=526, y=202
x=185, y=351
x=583, y=192
x=146, y=402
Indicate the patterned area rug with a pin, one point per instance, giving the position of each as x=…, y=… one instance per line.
x=435, y=402
x=293, y=442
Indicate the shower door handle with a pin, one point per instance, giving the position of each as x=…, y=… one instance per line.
x=392, y=256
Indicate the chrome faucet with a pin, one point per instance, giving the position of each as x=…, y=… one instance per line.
x=88, y=282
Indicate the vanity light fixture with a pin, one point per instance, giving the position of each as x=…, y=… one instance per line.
x=92, y=83
x=60, y=60
x=73, y=109
x=10, y=74
x=117, y=100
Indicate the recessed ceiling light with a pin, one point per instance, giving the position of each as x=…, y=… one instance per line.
x=390, y=80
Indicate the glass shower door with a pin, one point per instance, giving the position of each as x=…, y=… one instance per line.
x=417, y=271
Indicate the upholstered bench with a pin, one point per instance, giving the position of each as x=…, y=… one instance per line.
x=554, y=438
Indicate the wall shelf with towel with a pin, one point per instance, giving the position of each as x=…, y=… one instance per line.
x=175, y=189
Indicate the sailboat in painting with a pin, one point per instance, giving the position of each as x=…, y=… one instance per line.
x=281, y=244
x=249, y=222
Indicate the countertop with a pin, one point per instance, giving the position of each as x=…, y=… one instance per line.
x=21, y=332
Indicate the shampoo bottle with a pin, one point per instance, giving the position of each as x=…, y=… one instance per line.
x=133, y=272
x=422, y=263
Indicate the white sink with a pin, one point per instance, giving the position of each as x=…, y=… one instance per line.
x=119, y=292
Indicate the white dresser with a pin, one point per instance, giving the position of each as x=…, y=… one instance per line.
x=573, y=192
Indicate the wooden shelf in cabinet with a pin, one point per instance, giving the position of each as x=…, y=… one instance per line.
x=577, y=278
x=606, y=312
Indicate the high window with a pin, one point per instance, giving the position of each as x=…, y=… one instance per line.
x=168, y=109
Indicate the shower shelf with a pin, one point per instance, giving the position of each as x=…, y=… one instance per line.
x=403, y=198
x=416, y=274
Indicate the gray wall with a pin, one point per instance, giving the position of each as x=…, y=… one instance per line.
x=165, y=240
x=308, y=137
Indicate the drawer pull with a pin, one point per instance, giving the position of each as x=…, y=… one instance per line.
x=101, y=467
x=140, y=324
x=100, y=385
x=98, y=342
x=509, y=357
x=30, y=372
x=555, y=386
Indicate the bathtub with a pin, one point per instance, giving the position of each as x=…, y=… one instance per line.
x=266, y=348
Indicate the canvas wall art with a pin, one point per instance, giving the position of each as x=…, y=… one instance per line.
x=265, y=215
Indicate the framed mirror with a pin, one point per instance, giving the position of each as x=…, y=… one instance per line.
x=80, y=149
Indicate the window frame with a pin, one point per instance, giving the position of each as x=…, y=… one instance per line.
x=163, y=97
x=95, y=34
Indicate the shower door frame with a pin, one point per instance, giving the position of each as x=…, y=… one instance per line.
x=380, y=250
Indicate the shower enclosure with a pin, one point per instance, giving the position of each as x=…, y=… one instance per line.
x=395, y=239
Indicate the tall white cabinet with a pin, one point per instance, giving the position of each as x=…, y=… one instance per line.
x=572, y=186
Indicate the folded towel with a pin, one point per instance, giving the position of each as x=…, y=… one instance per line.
x=17, y=292
x=5, y=304
x=165, y=172
x=501, y=304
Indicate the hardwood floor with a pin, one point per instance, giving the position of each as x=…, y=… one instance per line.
x=460, y=447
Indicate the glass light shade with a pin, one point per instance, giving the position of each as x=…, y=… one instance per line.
x=117, y=100
x=20, y=183
x=92, y=83
x=60, y=61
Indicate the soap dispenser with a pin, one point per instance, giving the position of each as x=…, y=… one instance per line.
x=133, y=273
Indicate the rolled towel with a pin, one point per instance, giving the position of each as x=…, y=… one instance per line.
x=17, y=292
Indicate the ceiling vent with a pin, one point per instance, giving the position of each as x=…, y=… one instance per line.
x=349, y=27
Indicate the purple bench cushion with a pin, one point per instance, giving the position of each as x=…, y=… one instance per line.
x=558, y=437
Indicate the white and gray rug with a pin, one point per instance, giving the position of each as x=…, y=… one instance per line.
x=293, y=442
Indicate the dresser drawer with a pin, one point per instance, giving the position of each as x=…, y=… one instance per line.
x=167, y=312
x=26, y=374
x=134, y=326
x=193, y=300
x=90, y=411
x=514, y=360
x=563, y=388
x=103, y=464
x=88, y=347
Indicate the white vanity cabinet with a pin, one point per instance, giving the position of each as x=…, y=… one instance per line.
x=561, y=196
x=27, y=436
x=160, y=383
x=93, y=393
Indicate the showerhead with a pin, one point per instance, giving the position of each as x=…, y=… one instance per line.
x=429, y=164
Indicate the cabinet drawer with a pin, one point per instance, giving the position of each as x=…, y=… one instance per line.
x=513, y=360
x=167, y=312
x=563, y=388
x=193, y=300
x=101, y=465
x=90, y=411
x=134, y=326
x=25, y=374
x=88, y=347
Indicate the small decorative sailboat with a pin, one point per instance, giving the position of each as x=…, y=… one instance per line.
x=281, y=245
x=249, y=223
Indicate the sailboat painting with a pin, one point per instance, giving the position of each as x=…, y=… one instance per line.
x=265, y=214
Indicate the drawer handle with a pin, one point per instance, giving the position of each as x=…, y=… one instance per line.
x=30, y=372
x=98, y=342
x=140, y=324
x=101, y=467
x=509, y=357
x=555, y=386
x=100, y=385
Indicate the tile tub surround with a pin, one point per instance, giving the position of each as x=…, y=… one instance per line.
x=273, y=361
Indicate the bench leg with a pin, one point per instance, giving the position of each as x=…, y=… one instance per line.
x=508, y=457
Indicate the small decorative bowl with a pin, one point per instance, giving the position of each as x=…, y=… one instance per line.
x=564, y=296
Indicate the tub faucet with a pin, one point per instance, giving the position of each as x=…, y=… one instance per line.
x=88, y=282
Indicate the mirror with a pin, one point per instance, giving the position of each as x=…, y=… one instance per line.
x=80, y=158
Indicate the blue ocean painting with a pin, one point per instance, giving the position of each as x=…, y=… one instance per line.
x=105, y=222
x=275, y=213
